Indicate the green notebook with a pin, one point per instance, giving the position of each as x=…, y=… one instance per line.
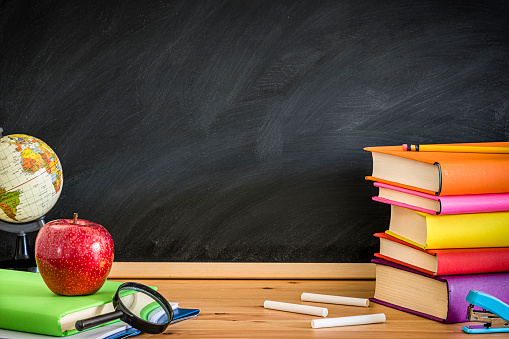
x=27, y=304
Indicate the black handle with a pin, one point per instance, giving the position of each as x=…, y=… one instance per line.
x=85, y=324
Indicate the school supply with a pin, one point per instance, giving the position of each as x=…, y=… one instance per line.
x=27, y=304
x=133, y=309
x=334, y=299
x=455, y=149
x=432, y=204
x=494, y=314
x=429, y=231
x=296, y=308
x=452, y=261
x=442, y=173
x=441, y=299
x=349, y=321
x=117, y=330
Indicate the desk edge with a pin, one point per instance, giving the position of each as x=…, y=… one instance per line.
x=221, y=270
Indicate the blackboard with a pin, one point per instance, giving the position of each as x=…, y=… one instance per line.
x=234, y=130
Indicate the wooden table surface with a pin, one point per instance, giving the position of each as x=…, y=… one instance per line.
x=234, y=309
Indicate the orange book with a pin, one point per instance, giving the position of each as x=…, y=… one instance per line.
x=442, y=173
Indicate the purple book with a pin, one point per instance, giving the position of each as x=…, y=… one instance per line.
x=496, y=284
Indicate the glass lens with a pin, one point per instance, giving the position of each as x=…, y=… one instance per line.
x=143, y=305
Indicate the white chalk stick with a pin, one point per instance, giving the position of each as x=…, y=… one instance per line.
x=334, y=299
x=296, y=308
x=348, y=321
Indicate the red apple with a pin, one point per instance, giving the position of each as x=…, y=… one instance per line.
x=74, y=256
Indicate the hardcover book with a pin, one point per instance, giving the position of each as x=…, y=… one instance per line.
x=441, y=299
x=442, y=173
x=28, y=305
x=449, y=204
x=429, y=231
x=446, y=261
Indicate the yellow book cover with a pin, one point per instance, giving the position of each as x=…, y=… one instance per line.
x=429, y=231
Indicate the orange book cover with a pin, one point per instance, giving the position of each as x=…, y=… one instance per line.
x=460, y=173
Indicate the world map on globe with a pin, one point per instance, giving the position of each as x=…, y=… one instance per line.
x=30, y=178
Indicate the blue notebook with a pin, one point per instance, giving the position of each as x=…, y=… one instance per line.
x=179, y=314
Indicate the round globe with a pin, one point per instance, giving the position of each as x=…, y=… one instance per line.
x=30, y=178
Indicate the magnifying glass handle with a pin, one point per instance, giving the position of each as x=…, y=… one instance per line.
x=85, y=324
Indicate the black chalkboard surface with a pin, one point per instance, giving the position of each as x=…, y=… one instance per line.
x=234, y=130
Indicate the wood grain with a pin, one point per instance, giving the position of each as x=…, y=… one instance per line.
x=190, y=270
x=234, y=309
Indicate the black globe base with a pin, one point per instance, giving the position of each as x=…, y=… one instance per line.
x=21, y=260
x=27, y=265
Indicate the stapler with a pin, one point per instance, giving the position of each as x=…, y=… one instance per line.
x=494, y=314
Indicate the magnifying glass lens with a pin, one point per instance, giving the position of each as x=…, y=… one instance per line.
x=137, y=305
x=144, y=306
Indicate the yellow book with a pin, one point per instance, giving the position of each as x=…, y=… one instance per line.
x=430, y=231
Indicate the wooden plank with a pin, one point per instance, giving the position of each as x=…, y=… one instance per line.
x=234, y=309
x=207, y=270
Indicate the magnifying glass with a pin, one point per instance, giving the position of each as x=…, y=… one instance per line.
x=137, y=305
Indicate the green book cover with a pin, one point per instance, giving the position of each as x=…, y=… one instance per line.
x=27, y=304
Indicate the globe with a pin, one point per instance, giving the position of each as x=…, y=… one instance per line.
x=30, y=179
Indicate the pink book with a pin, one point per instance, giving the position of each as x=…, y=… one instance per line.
x=452, y=204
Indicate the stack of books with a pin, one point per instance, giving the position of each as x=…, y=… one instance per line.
x=448, y=231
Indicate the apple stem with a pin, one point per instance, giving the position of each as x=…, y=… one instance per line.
x=75, y=217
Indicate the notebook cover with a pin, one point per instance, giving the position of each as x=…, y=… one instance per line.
x=184, y=313
x=458, y=260
x=452, y=204
x=27, y=304
x=458, y=286
x=462, y=173
x=179, y=314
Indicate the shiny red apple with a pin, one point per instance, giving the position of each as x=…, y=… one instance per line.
x=74, y=256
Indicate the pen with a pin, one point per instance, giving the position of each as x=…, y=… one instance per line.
x=456, y=149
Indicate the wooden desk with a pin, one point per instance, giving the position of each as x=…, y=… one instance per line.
x=234, y=309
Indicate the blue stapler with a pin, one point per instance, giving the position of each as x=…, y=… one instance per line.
x=494, y=314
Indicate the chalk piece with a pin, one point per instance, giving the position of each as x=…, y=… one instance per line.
x=334, y=299
x=349, y=321
x=296, y=308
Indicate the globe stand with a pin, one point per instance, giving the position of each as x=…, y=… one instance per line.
x=21, y=260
